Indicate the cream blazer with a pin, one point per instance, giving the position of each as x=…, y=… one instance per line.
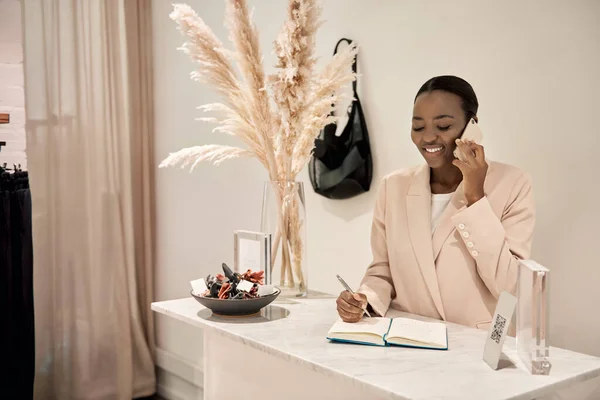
x=458, y=273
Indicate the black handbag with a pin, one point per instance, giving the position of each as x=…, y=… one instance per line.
x=341, y=166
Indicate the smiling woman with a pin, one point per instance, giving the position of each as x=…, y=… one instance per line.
x=442, y=108
x=447, y=236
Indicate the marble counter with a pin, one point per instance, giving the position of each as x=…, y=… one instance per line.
x=295, y=332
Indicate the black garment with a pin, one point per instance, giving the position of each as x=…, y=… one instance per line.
x=17, y=338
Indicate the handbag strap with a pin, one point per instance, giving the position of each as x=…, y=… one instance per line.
x=354, y=68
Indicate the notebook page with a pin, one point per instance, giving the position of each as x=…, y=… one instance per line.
x=374, y=326
x=418, y=331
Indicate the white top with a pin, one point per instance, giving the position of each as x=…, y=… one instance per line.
x=439, y=202
x=393, y=373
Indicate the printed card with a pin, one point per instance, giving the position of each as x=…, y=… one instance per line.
x=498, y=329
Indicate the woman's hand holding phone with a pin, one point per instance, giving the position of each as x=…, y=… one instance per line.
x=474, y=169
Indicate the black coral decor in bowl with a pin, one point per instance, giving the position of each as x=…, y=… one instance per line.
x=234, y=294
x=236, y=307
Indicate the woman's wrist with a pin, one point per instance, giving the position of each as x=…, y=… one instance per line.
x=474, y=199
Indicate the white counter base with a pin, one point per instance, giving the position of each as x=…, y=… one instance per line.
x=258, y=370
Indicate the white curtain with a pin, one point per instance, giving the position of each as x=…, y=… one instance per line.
x=89, y=130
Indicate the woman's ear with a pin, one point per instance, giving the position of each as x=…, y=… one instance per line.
x=476, y=119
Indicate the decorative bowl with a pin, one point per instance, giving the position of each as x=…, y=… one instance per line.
x=237, y=307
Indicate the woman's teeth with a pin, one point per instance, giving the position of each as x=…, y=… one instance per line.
x=434, y=150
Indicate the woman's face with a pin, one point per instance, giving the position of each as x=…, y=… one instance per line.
x=438, y=120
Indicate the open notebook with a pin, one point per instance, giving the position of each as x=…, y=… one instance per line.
x=391, y=332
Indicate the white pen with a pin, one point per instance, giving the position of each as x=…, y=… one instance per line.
x=345, y=285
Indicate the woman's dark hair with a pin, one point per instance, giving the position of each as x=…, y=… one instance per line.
x=456, y=85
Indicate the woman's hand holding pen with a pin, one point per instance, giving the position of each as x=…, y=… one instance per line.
x=351, y=307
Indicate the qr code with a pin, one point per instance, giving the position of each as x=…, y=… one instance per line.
x=498, y=328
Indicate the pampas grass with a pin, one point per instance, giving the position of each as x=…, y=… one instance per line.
x=277, y=118
x=192, y=156
x=291, y=84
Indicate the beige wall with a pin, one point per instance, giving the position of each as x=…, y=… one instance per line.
x=535, y=66
x=12, y=96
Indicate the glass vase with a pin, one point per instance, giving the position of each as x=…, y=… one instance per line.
x=284, y=217
x=532, y=317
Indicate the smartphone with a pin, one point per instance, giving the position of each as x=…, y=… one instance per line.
x=471, y=132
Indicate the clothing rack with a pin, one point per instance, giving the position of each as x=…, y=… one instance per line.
x=17, y=336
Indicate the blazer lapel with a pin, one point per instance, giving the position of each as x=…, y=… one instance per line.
x=418, y=209
x=445, y=226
